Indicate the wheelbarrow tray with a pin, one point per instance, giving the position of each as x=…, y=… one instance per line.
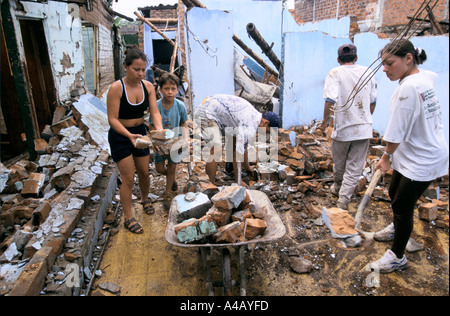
x=275, y=227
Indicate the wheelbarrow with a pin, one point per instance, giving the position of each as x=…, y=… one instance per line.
x=275, y=230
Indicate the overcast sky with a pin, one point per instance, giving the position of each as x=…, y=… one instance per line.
x=127, y=7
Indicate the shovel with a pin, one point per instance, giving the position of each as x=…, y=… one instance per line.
x=373, y=183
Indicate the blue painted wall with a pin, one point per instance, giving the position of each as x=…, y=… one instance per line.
x=437, y=49
x=210, y=57
x=309, y=56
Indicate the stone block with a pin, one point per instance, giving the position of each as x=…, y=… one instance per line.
x=340, y=222
x=143, y=142
x=45, y=254
x=32, y=187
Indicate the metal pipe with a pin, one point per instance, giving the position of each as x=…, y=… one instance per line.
x=266, y=49
x=258, y=59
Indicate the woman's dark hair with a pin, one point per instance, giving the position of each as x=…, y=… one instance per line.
x=133, y=53
x=168, y=78
x=402, y=47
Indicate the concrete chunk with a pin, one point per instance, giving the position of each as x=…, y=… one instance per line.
x=187, y=231
x=229, y=198
x=192, y=209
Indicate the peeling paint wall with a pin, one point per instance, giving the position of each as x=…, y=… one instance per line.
x=63, y=33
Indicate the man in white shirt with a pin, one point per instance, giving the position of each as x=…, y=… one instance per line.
x=230, y=115
x=350, y=92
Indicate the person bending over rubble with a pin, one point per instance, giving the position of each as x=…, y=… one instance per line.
x=416, y=145
x=239, y=121
x=127, y=100
x=352, y=120
x=174, y=117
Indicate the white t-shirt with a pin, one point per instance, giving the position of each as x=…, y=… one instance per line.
x=230, y=111
x=355, y=122
x=416, y=123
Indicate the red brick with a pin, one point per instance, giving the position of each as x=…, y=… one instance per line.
x=428, y=211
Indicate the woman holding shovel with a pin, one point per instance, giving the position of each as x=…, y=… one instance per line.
x=416, y=145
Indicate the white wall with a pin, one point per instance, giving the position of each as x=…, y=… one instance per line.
x=63, y=33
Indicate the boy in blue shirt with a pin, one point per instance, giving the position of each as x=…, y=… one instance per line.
x=174, y=117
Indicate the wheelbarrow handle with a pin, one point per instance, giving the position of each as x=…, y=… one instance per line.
x=373, y=183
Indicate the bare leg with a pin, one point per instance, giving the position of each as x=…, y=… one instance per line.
x=171, y=171
x=142, y=167
x=211, y=168
x=127, y=171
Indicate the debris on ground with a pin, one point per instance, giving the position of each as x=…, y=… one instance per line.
x=55, y=217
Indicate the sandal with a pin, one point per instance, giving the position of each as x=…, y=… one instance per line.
x=135, y=228
x=148, y=207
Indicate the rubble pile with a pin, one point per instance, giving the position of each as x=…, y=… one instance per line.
x=305, y=167
x=229, y=216
x=43, y=202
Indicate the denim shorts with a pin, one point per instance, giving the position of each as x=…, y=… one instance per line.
x=162, y=159
x=122, y=147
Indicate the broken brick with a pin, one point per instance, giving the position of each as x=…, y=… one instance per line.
x=229, y=198
x=220, y=217
x=254, y=227
x=241, y=216
x=428, y=211
x=230, y=233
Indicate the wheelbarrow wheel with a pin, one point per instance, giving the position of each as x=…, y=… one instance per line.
x=226, y=269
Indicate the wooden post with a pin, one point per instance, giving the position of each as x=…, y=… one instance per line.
x=158, y=31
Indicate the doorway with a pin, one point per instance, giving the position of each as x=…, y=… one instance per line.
x=40, y=75
x=11, y=124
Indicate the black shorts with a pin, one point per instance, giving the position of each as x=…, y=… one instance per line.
x=122, y=147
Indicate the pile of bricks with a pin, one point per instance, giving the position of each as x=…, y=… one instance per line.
x=305, y=165
x=230, y=216
x=43, y=201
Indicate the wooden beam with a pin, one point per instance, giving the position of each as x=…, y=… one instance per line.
x=437, y=29
x=163, y=21
x=154, y=28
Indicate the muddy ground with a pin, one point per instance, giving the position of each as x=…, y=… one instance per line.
x=147, y=265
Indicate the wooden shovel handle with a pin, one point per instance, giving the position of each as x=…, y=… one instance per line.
x=373, y=183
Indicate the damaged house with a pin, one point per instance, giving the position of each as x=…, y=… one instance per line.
x=60, y=57
x=52, y=51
